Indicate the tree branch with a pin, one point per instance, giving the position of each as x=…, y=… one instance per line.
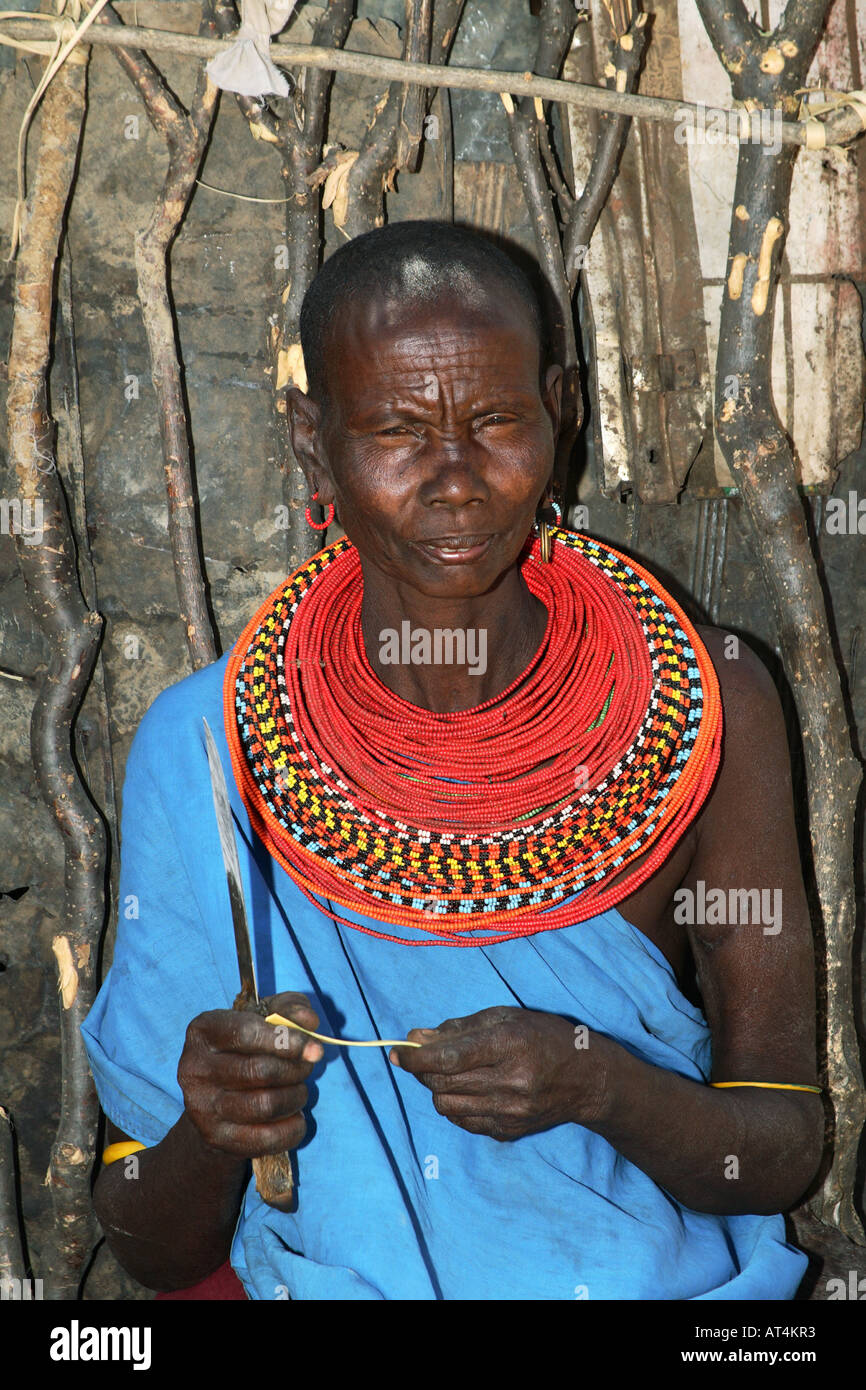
x=446, y=17
x=387, y=142
x=49, y=570
x=798, y=26
x=331, y=31
x=186, y=137
x=300, y=149
x=760, y=456
x=626, y=57
x=587, y=96
x=413, y=100
x=733, y=34
x=160, y=103
x=557, y=21
x=12, y=1261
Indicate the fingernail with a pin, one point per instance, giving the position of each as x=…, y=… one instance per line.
x=393, y=1058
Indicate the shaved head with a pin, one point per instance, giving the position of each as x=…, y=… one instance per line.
x=411, y=264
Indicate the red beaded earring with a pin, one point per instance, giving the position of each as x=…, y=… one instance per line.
x=329, y=516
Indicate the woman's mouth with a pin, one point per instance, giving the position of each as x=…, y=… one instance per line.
x=455, y=550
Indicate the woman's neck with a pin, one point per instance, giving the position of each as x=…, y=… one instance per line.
x=447, y=655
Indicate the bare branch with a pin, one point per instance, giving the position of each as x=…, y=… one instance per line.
x=524, y=142
x=301, y=156
x=413, y=100
x=557, y=22
x=186, y=137
x=49, y=570
x=626, y=57
x=386, y=141
x=300, y=147
x=759, y=454
x=160, y=103
x=70, y=447
x=556, y=27
x=564, y=194
x=12, y=1262
x=187, y=140
x=801, y=25
x=520, y=84
x=331, y=31
x=446, y=18
x=733, y=34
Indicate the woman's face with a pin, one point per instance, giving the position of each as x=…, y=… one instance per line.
x=437, y=440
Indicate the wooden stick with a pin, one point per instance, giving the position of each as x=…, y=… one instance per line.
x=151, y=262
x=841, y=126
x=299, y=143
x=612, y=132
x=73, y=631
x=759, y=453
x=557, y=22
x=186, y=137
x=12, y=1261
x=389, y=143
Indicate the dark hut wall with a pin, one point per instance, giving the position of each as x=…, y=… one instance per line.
x=226, y=280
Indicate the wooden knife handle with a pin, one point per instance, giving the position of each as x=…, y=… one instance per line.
x=273, y=1172
x=274, y=1182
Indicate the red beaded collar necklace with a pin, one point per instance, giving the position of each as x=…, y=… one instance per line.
x=458, y=829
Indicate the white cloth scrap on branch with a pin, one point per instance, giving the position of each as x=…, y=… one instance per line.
x=246, y=65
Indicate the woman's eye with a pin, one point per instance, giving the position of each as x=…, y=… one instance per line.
x=494, y=420
x=398, y=429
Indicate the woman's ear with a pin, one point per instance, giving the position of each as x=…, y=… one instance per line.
x=553, y=397
x=576, y=397
x=303, y=417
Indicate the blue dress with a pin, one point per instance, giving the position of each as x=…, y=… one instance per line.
x=394, y=1201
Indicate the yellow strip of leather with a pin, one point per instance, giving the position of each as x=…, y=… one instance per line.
x=122, y=1150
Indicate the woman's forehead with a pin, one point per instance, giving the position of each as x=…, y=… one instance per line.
x=384, y=338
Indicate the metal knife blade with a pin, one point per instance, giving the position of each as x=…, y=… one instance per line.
x=273, y=1172
x=228, y=845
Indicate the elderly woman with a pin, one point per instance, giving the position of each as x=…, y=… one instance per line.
x=496, y=796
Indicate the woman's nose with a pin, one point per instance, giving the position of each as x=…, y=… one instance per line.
x=453, y=473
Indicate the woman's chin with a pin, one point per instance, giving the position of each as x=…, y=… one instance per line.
x=442, y=572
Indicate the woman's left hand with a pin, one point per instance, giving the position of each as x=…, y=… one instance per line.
x=506, y=1072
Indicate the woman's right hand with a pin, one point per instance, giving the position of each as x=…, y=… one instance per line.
x=243, y=1080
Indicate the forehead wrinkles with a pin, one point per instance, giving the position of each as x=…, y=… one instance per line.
x=405, y=361
x=428, y=365
x=386, y=354
x=438, y=342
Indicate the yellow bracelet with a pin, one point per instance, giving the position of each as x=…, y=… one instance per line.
x=121, y=1150
x=769, y=1085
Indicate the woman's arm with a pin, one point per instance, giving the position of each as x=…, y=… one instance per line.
x=740, y=1149
x=725, y=1151
x=507, y=1072
x=169, y=1218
